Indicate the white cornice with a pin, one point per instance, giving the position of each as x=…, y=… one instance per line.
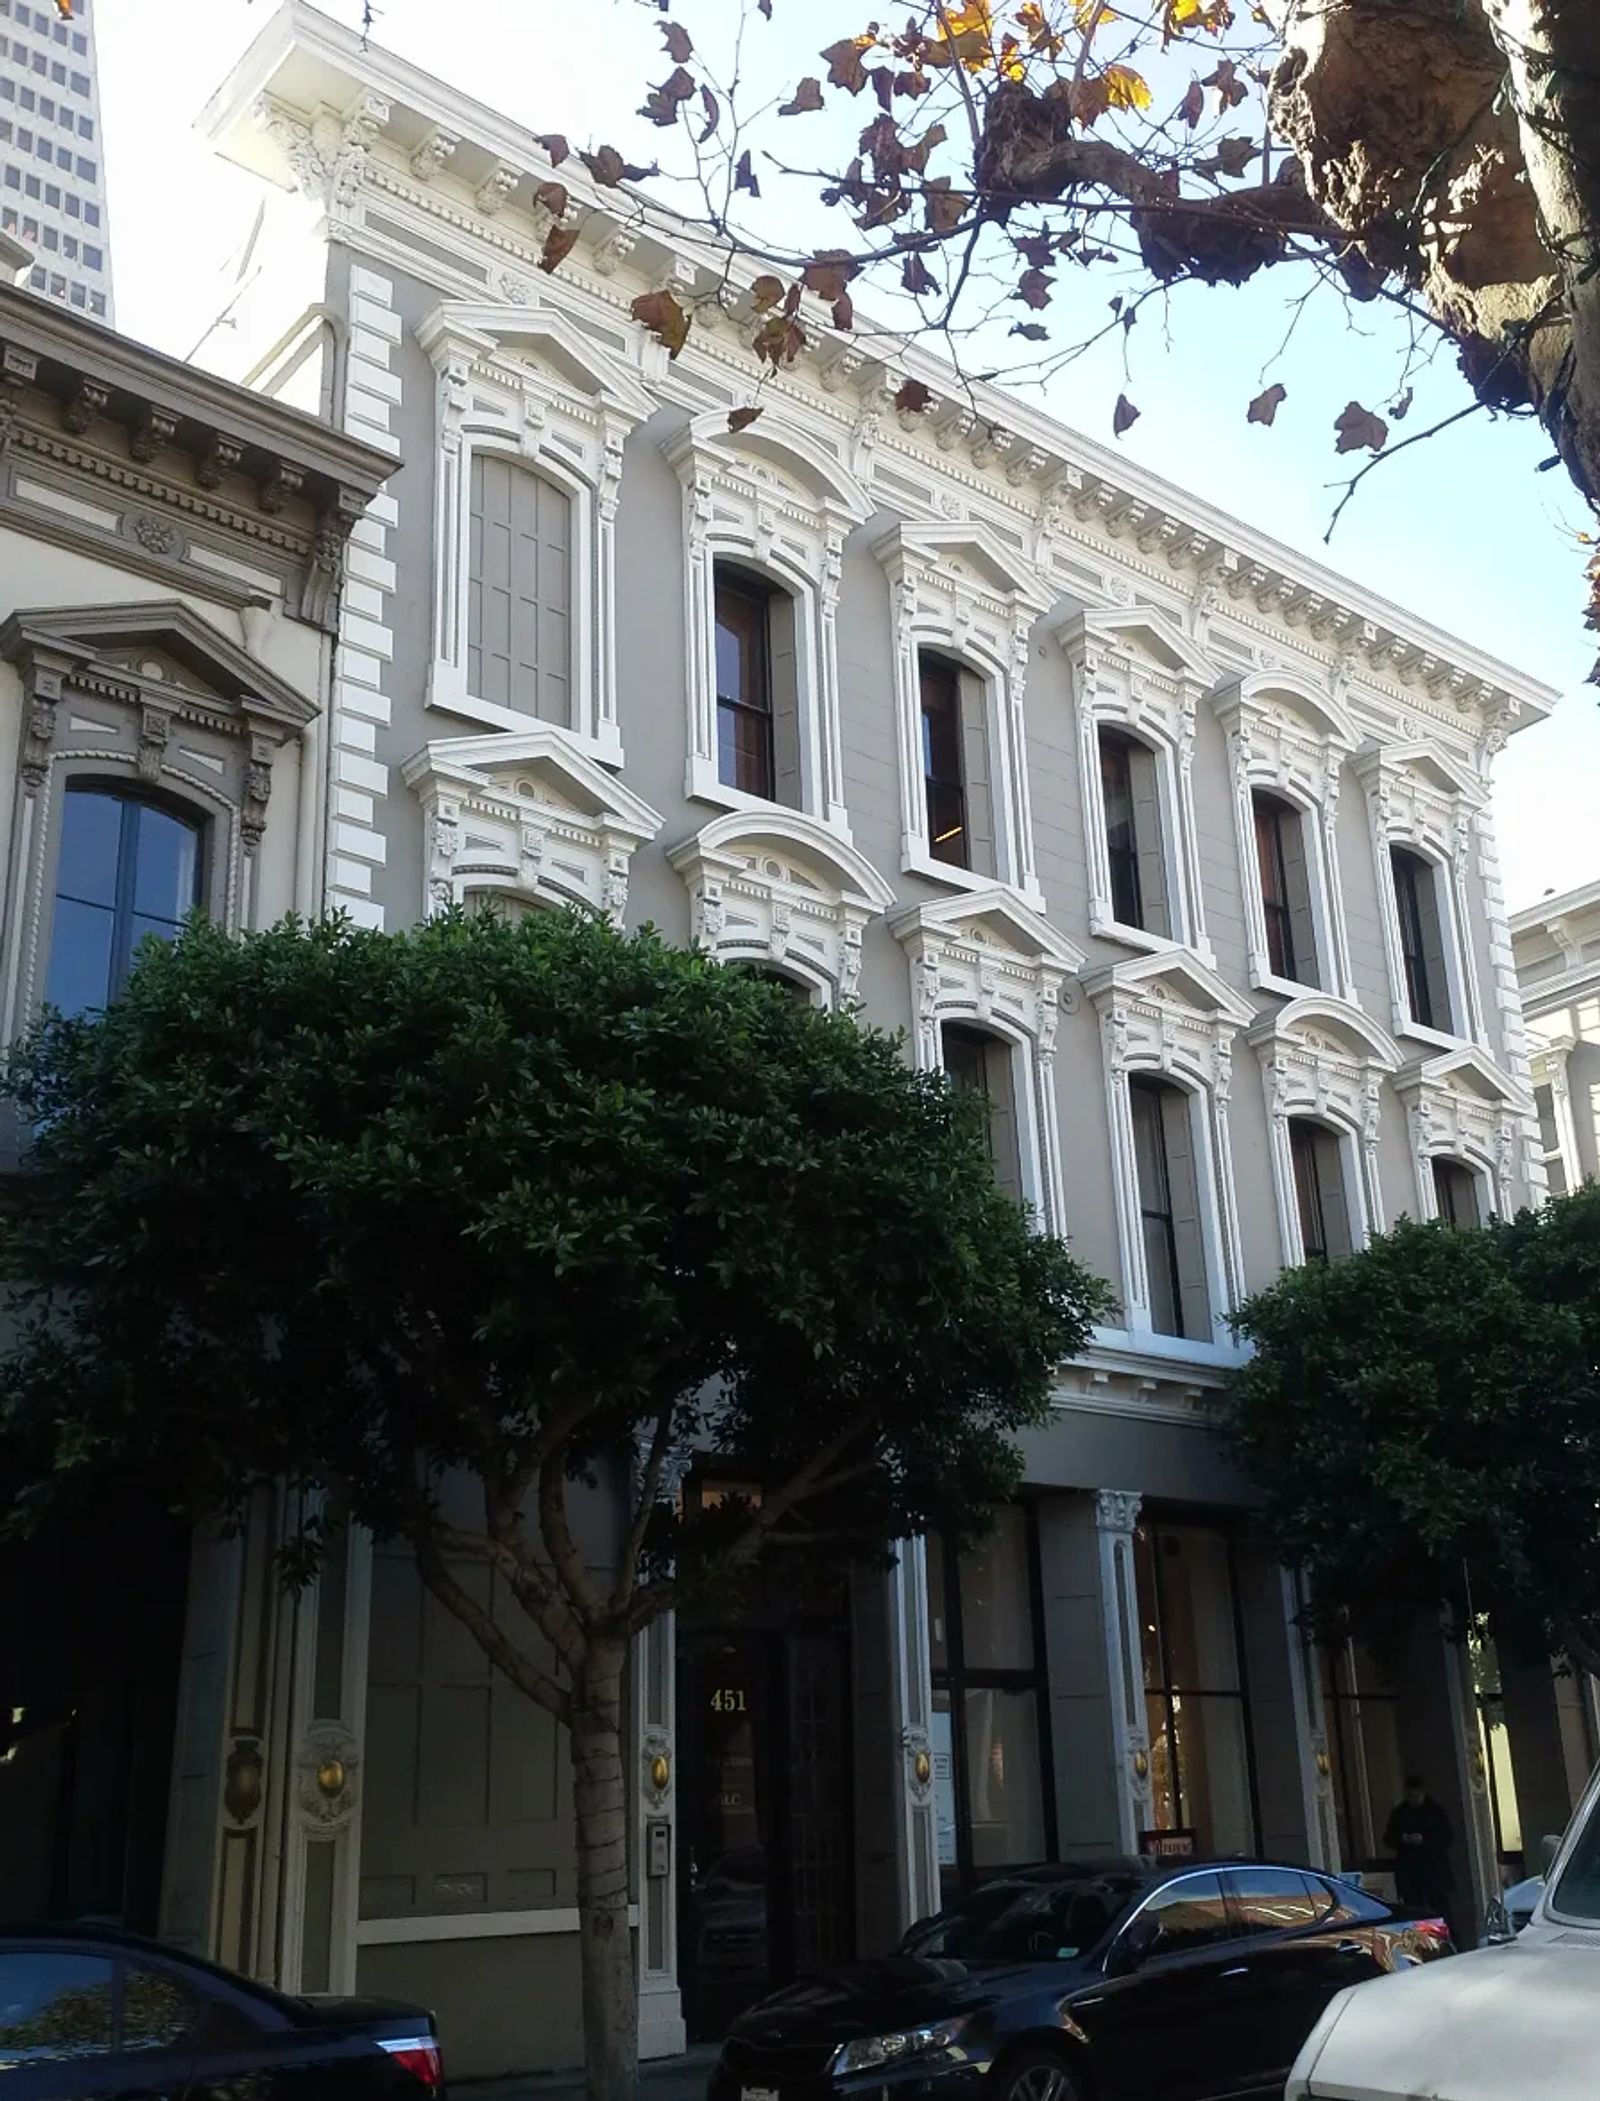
x=1004, y=452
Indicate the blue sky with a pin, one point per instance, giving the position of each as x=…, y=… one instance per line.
x=1461, y=528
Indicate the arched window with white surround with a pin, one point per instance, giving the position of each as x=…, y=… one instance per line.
x=532, y=414
x=522, y=822
x=964, y=607
x=1424, y=808
x=783, y=892
x=1465, y=1114
x=989, y=978
x=1287, y=744
x=1137, y=682
x=1324, y=1068
x=150, y=750
x=766, y=514
x=1167, y=1025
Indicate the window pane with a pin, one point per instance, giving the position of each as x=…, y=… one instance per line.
x=1271, y=1900
x=744, y=749
x=996, y=1598
x=54, y=2008
x=91, y=827
x=1197, y=1598
x=1003, y=1790
x=80, y=957
x=158, y=2009
x=165, y=866
x=1187, y=1914
x=942, y=1736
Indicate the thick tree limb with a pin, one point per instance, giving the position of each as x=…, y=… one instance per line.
x=501, y=1651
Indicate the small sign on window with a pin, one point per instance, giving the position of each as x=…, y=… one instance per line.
x=1167, y=1845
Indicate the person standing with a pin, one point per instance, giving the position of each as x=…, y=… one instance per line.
x=1419, y=1836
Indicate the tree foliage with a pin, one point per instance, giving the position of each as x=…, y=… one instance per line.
x=1423, y=1419
x=1439, y=155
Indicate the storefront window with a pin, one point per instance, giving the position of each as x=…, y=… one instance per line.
x=1197, y=1712
x=992, y=1803
x=1368, y=1771
x=1494, y=1739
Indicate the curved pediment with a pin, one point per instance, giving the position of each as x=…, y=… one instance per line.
x=777, y=448
x=1275, y=694
x=160, y=651
x=789, y=847
x=1320, y=1023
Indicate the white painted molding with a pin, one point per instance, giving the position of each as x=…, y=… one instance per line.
x=1462, y=1106
x=527, y=816
x=772, y=886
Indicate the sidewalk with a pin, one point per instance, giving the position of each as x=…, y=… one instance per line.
x=668, y=2079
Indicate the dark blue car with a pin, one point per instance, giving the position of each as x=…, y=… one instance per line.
x=1091, y=1982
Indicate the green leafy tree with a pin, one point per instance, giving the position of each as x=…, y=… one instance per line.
x=1423, y=1419
x=547, y=1206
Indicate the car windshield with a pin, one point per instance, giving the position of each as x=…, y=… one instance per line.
x=1026, y=1921
x=1577, y=1894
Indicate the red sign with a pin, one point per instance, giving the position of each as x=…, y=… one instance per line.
x=1167, y=1845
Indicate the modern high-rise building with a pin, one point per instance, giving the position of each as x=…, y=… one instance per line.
x=52, y=164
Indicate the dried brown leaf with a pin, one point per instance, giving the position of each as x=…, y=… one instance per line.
x=680, y=45
x=555, y=146
x=1124, y=416
x=664, y=317
x=1359, y=429
x=913, y=397
x=744, y=175
x=1033, y=289
x=554, y=197
x=766, y=292
x=917, y=277
x=845, y=69
x=741, y=419
x=806, y=98
x=558, y=245
x=1265, y=407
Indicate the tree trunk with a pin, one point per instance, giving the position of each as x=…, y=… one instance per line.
x=605, y=1945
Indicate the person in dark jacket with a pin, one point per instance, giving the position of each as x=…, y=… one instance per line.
x=1419, y=1836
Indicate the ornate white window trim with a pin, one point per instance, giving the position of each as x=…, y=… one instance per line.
x=526, y=383
x=528, y=817
x=1292, y=742
x=1461, y=1106
x=1322, y=1059
x=988, y=959
x=775, y=887
x=958, y=588
x=1133, y=670
x=1171, y=1015
x=1548, y=1059
x=775, y=497
x=149, y=697
x=1420, y=799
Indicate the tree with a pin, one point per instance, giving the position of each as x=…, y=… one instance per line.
x=1438, y=154
x=550, y=1206
x=1423, y=1419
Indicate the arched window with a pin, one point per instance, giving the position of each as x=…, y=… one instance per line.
x=1130, y=782
x=519, y=589
x=1455, y=1192
x=1424, y=938
x=1284, y=867
x=127, y=867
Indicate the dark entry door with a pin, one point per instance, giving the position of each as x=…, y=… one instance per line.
x=765, y=1888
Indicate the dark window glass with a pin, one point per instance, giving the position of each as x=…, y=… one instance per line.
x=1455, y=1191
x=1421, y=938
x=54, y=2008
x=982, y=1065
x=1186, y=1914
x=1273, y=1900
x=1169, y=1208
x=158, y=2009
x=744, y=687
x=942, y=769
x=1319, y=1191
x=126, y=869
x=1271, y=819
x=1122, y=836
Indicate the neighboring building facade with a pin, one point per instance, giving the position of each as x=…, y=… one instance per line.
x=1174, y=844
x=170, y=564
x=52, y=154
x=1557, y=947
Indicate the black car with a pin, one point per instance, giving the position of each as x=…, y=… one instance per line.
x=1114, y=1981
x=89, y=2012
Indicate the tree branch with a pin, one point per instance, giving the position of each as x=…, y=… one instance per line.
x=501, y=1651
x=556, y=1529
x=649, y=1489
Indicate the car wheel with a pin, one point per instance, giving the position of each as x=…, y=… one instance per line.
x=1034, y=2074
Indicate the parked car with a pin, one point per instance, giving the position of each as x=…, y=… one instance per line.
x=1189, y=1982
x=89, y=2012
x=1504, y=2021
x=1515, y=1906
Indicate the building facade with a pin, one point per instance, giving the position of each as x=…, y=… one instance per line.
x=52, y=154
x=1175, y=845
x=1557, y=948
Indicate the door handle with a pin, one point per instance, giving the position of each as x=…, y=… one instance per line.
x=1240, y=1969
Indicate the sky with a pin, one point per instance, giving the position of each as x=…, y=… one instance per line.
x=1463, y=529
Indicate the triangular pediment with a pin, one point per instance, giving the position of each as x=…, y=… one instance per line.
x=1467, y=1071
x=163, y=649
x=968, y=545
x=786, y=846
x=1319, y=1022
x=1444, y=774
x=1172, y=977
x=1144, y=631
x=540, y=765
x=996, y=918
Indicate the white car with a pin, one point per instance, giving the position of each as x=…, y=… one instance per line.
x=1495, y=2025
